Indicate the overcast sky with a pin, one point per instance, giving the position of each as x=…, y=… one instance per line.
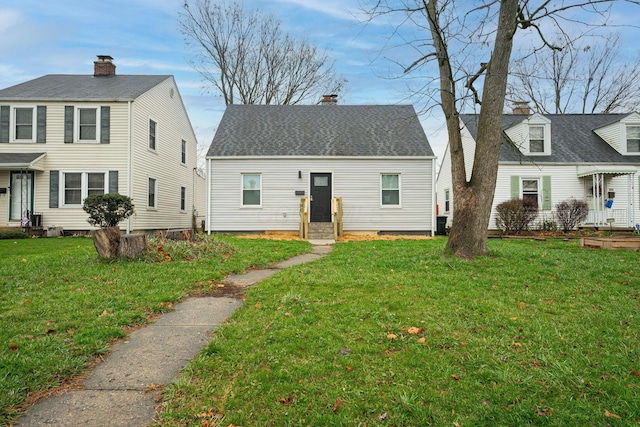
x=39, y=37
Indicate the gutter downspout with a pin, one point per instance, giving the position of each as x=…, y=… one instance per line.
x=129, y=159
x=208, y=224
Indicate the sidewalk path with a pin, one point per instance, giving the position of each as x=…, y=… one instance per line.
x=119, y=391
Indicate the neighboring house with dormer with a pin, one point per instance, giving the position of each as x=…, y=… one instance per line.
x=553, y=157
x=265, y=161
x=63, y=137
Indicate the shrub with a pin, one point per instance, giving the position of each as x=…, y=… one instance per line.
x=570, y=213
x=107, y=210
x=11, y=234
x=515, y=215
x=548, y=225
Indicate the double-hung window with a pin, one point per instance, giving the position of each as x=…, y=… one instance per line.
x=152, y=193
x=183, y=158
x=24, y=124
x=251, y=189
x=447, y=200
x=633, y=139
x=152, y=135
x=531, y=190
x=78, y=185
x=88, y=129
x=536, y=139
x=183, y=199
x=390, y=189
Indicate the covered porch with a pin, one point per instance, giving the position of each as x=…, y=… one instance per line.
x=611, y=193
x=17, y=182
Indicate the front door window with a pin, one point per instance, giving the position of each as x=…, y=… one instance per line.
x=320, y=197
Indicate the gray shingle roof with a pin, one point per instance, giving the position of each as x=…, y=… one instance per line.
x=573, y=139
x=18, y=158
x=67, y=87
x=320, y=130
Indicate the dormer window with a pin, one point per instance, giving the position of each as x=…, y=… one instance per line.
x=536, y=139
x=633, y=139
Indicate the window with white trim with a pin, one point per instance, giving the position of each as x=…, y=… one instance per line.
x=183, y=157
x=390, y=189
x=24, y=125
x=536, y=139
x=531, y=190
x=152, y=193
x=447, y=200
x=87, y=123
x=251, y=189
x=633, y=139
x=152, y=135
x=183, y=199
x=76, y=186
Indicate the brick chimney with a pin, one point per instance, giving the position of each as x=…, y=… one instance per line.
x=104, y=66
x=329, y=100
x=521, y=107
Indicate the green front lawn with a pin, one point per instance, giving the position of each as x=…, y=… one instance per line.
x=60, y=305
x=394, y=333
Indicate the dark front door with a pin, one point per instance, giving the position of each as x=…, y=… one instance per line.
x=320, y=197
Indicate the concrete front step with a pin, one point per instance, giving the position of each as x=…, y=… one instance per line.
x=320, y=230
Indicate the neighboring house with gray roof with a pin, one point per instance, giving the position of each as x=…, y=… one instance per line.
x=554, y=157
x=266, y=161
x=63, y=137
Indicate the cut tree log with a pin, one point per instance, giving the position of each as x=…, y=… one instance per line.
x=107, y=241
x=185, y=234
x=110, y=244
x=132, y=245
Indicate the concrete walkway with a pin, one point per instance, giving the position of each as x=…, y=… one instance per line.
x=120, y=390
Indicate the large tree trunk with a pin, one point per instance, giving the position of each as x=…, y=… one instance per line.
x=472, y=199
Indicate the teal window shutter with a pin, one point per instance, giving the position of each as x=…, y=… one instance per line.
x=105, y=123
x=113, y=181
x=41, y=132
x=68, y=124
x=4, y=123
x=546, y=193
x=54, y=188
x=515, y=187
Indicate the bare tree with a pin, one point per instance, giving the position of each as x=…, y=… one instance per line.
x=469, y=43
x=580, y=78
x=245, y=55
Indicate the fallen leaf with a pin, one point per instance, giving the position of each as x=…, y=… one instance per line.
x=414, y=331
x=522, y=305
x=104, y=313
x=423, y=341
x=344, y=351
x=286, y=400
x=611, y=415
x=13, y=348
x=544, y=412
x=70, y=331
x=24, y=260
x=514, y=318
x=536, y=363
x=516, y=344
x=392, y=336
x=258, y=305
x=635, y=373
x=485, y=403
x=349, y=368
x=383, y=416
x=339, y=401
x=220, y=285
x=455, y=377
x=49, y=331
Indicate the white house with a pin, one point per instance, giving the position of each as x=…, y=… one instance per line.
x=555, y=157
x=63, y=137
x=265, y=160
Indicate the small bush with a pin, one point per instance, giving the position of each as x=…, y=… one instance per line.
x=10, y=234
x=570, y=213
x=107, y=210
x=548, y=225
x=515, y=215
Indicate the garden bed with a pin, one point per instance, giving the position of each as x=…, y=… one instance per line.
x=611, y=243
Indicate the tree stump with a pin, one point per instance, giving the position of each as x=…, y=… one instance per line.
x=110, y=244
x=107, y=241
x=185, y=234
x=132, y=245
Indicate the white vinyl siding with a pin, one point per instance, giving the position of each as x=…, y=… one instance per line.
x=163, y=164
x=357, y=181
